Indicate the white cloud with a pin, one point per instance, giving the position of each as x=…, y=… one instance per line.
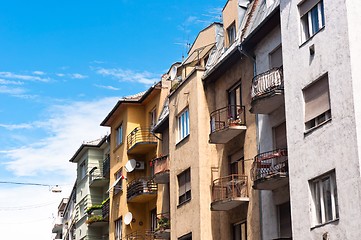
x=67, y=126
x=106, y=87
x=78, y=76
x=125, y=75
x=22, y=77
x=39, y=73
x=16, y=126
x=10, y=82
x=60, y=74
x=11, y=91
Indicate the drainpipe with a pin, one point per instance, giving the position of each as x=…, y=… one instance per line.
x=253, y=59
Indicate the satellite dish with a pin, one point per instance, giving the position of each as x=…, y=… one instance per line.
x=128, y=218
x=130, y=165
x=173, y=73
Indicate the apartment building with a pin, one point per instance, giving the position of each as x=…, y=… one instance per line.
x=90, y=191
x=69, y=216
x=321, y=55
x=132, y=191
x=58, y=220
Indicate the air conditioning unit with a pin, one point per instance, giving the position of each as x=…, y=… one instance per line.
x=139, y=165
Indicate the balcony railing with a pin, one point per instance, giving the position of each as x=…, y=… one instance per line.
x=232, y=117
x=267, y=86
x=141, y=137
x=96, y=178
x=268, y=168
x=105, y=208
x=229, y=192
x=161, y=169
x=140, y=235
x=163, y=226
x=141, y=190
x=106, y=167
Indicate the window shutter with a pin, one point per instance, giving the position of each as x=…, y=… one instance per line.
x=181, y=184
x=317, y=99
x=306, y=6
x=187, y=180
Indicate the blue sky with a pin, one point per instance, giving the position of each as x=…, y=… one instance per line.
x=63, y=65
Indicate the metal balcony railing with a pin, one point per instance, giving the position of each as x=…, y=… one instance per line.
x=141, y=186
x=267, y=82
x=230, y=187
x=105, y=209
x=140, y=135
x=140, y=235
x=106, y=166
x=270, y=163
x=232, y=115
x=161, y=164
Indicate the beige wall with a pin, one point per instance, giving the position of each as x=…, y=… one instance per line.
x=230, y=16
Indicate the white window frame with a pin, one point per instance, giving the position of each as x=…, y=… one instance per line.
x=183, y=124
x=231, y=34
x=307, y=29
x=119, y=135
x=319, y=201
x=153, y=117
x=118, y=229
x=118, y=187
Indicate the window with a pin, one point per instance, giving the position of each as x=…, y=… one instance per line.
x=82, y=170
x=312, y=18
x=119, y=135
x=235, y=102
x=284, y=220
x=239, y=231
x=317, y=103
x=280, y=136
x=118, y=229
x=324, y=198
x=153, y=118
x=118, y=184
x=231, y=33
x=236, y=162
x=153, y=219
x=183, y=125
x=188, y=236
x=184, y=185
x=275, y=58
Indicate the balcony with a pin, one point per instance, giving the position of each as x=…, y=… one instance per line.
x=96, y=178
x=105, y=209
x=163, y=226
x=267, y=91
x=227, y=123
x=270, y=170
x=161, y=169
x=96, y=221
x=57, y=225
x=140, y=234
x=106, y=166
x=229, y=192
x=141, y=141
x=141, y=190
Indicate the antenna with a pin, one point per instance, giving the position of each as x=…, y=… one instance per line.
x=130, y=165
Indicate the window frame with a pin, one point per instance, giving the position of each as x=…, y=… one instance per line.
x=183, y=127
x=152, y=118
x=187, y=236
x=119, y=135
x=82, y=170
x=119, y=186
x=320, y=210
x=231, y=33
x=310, y=17
x=187, y=195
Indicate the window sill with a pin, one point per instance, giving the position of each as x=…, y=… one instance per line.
x=308, y=131
x=182, y=140
x=309, y=39
x=184, y=202
x=323, y=224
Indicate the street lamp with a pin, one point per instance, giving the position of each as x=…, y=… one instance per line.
x=52, y=188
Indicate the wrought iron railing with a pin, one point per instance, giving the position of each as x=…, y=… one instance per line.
x=106, y=166
x=232, y=186
x=232, y=115
x=270, y=163
x=267, y=82
x=140, y=235
x=140, y=135
x=105, y=208
x=163, y=221
x=141, y=186
x=161, y=164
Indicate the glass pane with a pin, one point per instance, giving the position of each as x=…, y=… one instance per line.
x=326, y=185
x=314, y=17
x=317, y=202
x=322, y=14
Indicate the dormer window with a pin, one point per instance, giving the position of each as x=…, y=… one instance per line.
x=231, y=34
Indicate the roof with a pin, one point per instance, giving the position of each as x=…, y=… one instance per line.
x=92, y=144
x=135, y=99
x=163, y=117
x=204, y=29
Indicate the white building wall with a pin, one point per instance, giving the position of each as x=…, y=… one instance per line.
x=333, y=145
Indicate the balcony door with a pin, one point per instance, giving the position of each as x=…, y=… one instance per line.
x=236, y=163
x=239, y=231
x=280, y=136
x=234, y=100
x=153, y=218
